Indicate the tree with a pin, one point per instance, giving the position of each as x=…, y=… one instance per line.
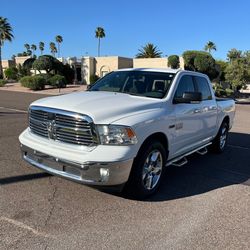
x=27, y=47
x=33, y=48
x=149, y=51
x=41, y=47
x=6, y=34
x=221, y=65
x=234, y=54
x=210, y=46
x=45, y=62
x=53, y=48
x=238, y=71
x=28, y=51
x=174, y=62
x=99, y=33
x=200, y=61
x=59, y=40
x=28, y=63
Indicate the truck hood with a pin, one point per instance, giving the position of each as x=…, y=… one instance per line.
x=102, y=107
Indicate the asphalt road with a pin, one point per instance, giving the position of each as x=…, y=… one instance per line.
x=204, y=205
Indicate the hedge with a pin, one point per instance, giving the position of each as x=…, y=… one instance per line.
x=36, y=82
x=58, y=81
x=2, y=82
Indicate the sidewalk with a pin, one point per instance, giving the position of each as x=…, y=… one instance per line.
x=47, y=91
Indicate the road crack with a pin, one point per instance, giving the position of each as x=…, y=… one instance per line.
x=51, y=200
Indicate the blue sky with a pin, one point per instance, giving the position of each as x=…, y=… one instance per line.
x=174, y=26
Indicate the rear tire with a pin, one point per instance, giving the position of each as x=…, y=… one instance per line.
x=220, y=142
x=147, y=170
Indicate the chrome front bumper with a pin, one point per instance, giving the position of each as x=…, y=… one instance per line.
x=91, y=173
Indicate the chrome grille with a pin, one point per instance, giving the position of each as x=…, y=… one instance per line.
x=60, y=125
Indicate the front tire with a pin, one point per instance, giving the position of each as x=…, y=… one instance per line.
x=147, y=170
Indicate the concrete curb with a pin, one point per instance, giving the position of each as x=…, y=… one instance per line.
x=51, y=91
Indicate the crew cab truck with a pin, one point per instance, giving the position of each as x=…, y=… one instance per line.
x=127, y=128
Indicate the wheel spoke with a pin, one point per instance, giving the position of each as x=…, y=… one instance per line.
x=155, y=156
x=152, y=169
x=149, y=181
x=157, y=170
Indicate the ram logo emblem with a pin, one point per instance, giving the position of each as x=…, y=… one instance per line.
x=51, y=130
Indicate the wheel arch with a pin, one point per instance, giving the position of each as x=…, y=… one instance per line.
x=157, y=136
x=227, y=120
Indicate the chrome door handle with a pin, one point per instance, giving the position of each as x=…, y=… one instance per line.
x=197, y=111
x=213, y=108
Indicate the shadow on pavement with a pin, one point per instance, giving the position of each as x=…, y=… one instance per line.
x=209, y=172
x=19, y=178
x=206, y=173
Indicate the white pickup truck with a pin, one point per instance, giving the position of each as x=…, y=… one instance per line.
x=127, y=128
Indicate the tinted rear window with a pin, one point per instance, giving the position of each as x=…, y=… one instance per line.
x=203, y=87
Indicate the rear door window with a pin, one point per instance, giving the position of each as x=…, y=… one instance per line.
x=203, y=87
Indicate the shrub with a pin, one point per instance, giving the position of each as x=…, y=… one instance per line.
x=36, y=82
x=174, y=62
x=219, y=92
x=58, y=81
x=229, y=92
x=2, y=82
x=93, y=78
x=22, y=71
x=25, y=81
x=11, y=73
x=46, y=77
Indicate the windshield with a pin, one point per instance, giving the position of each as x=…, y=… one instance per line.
x=141, y=83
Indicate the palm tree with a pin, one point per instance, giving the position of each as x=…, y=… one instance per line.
x=149, y=51
x=99, y=33
x=41, y=47
x=53, y=48
x=27, y=47
x=5, y=35
x=59, y=40
x=28, y=50
x=210, y=46
x=33, y=48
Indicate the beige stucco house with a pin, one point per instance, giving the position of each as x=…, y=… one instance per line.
x=89, y=66
x=102, y=65
x=7, y=64
x=12, y=63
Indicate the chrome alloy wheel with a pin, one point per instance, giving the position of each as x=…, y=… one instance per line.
x=152, y=169
x=223, y=137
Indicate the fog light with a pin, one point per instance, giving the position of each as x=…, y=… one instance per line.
x=104, y=173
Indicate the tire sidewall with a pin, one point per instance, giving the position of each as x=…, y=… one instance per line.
x=224, y=125
x=135, y=180
x=215, y=147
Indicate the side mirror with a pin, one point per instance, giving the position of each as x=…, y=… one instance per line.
x=189, y=97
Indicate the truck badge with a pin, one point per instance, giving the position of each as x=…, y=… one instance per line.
x=51, y=130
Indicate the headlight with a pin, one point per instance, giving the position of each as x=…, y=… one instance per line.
x=116, y=135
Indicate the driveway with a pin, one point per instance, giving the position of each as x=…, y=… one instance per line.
x=204, y=205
